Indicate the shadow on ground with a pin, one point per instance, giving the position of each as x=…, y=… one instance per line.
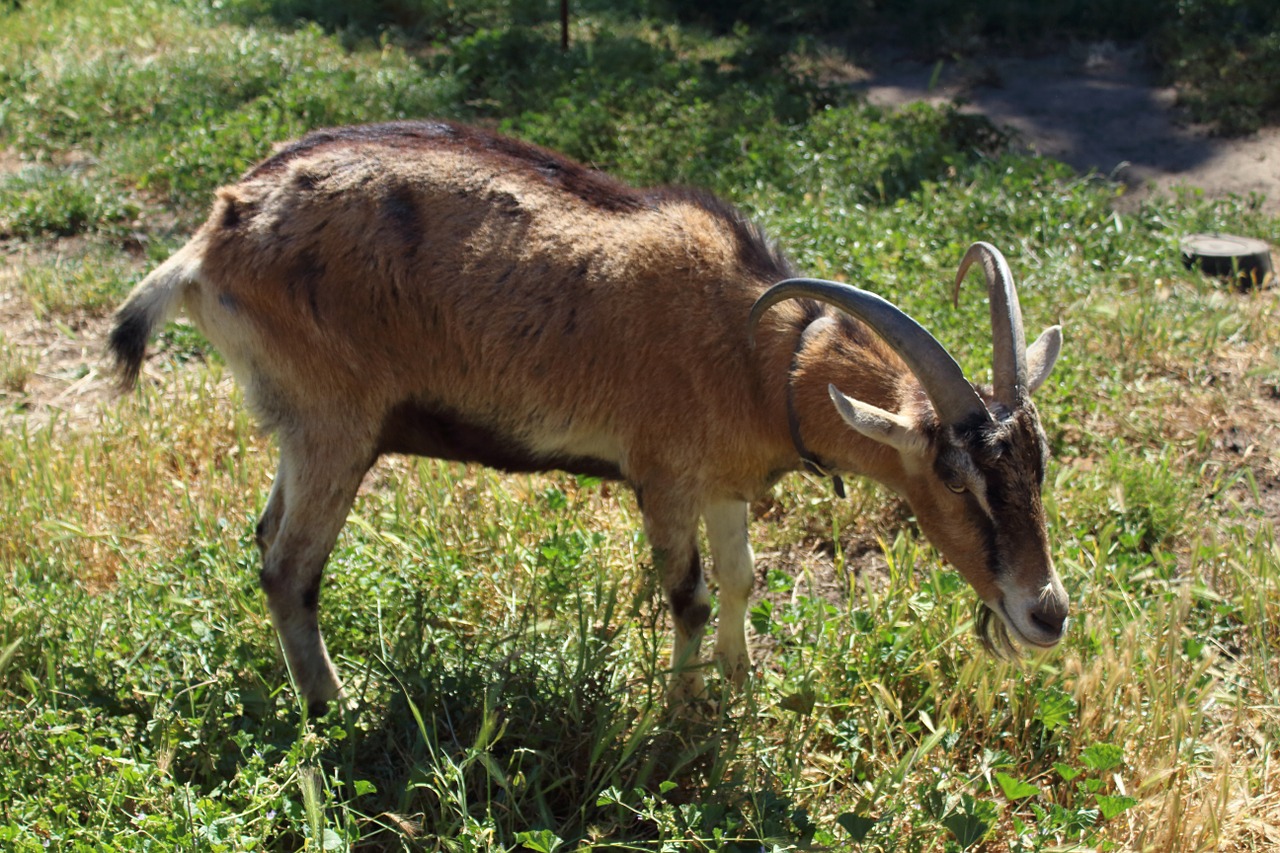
x=1098, y=108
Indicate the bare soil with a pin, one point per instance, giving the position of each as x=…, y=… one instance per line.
x=68, y=377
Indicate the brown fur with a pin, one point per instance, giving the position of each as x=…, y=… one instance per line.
x=435, y=289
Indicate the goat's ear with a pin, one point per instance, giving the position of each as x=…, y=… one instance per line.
x=877, y=424
x=1041, y=356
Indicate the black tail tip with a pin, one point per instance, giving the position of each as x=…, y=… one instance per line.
x=128, y=346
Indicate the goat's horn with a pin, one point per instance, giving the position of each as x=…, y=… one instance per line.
x=942, y=379
x=1008, y=341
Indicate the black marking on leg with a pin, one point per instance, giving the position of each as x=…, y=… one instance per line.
x=687, y=610
x=311, y=596
x=270, y=583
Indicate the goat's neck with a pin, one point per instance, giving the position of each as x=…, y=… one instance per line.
x=828, y=355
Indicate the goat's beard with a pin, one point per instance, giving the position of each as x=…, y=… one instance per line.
x=992, y=632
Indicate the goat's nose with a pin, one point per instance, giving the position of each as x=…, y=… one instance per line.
x=1049, y=619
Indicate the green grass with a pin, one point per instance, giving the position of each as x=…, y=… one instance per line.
x=502, y=637
x=41, y=201
x=16, y=366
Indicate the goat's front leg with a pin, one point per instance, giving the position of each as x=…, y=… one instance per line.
x=735, y=572
x=309, y=503
x=672, y=528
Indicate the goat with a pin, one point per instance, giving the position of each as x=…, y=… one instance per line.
x=430, y=288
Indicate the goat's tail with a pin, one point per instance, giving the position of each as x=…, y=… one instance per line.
x=155, y=300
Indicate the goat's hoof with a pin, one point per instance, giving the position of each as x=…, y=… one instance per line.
x=695, y=710
x=317, y=708
x=685, y=688
x=737, y=671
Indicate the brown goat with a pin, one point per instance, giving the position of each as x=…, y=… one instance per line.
x=434, y=289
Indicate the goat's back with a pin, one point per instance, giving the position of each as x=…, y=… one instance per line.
x=434, y=264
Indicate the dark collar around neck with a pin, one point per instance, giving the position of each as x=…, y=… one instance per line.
x=811, y=463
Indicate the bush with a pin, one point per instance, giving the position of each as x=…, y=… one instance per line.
x=1226, y=53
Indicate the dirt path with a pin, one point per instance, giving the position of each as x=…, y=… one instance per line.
x=1097, y=108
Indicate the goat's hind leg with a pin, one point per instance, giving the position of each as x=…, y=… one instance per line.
x=672, y=528
x=309, y=503
x=269, y=523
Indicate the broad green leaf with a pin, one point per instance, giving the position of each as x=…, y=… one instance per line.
x=1054, y=708
x=1101, y=757
x=1066, y=771
x=1114, y=805
x=540, y=840
x=967, y=828
x=1015, y=789
x=972, y=821
x=856, y=825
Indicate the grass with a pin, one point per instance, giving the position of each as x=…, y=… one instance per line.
x=16, y=366
x=502, y=636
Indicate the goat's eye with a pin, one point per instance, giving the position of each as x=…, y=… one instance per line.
x=956, y=486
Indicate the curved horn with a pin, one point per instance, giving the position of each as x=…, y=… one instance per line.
x=942, y=379
x=1008, y=341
